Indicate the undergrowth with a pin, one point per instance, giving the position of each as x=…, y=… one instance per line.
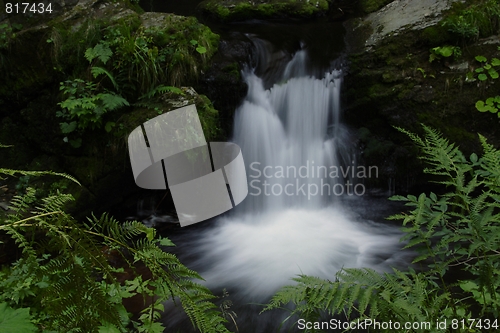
x=64, y=282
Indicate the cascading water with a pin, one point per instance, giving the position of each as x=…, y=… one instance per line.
x=298, y=160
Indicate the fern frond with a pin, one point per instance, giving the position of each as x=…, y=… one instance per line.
x=11, y=172
x=112, y=101
x=96, y=71
x=161, y=89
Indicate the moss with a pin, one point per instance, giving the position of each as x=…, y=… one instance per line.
x=237, y=10
x=369, y=6
x=389, y=77
x=233, y=70
x=209, y=118
x=435, y=35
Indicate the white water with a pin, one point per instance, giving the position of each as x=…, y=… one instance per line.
x=259, y=247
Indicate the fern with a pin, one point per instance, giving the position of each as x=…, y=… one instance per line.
x=161, y=89
x=457, y=230
x=96, y=71
x=69, y=284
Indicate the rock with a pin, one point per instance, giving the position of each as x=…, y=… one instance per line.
x=238, y=10
x=398, y=16
x=4, y=206
x=462, y=67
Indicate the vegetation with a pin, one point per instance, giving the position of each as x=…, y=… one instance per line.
x=480, y=19
x=225, y=10
x=64, y=282
x=369, y=6
x=457, y=236
x=446, y=51
x=130, y=64
x=488, y=71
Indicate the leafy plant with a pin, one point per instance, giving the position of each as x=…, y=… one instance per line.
x=129, y=63
x=488, y=68
x=66, y=280
x=457, y=235
x=481, y=19
x=85, y=107
x=488, y=71
x=424, y=74
x=200, y=49
x=462, y=26
x=15, y=321
x=444, y=52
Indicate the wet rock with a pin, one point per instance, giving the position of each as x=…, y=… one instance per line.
x=223, y=83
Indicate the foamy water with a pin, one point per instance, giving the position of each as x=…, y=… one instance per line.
x=257, y=254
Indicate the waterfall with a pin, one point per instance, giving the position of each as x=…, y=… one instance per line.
x=289, y=135
x=294, y=146
x=292, y=140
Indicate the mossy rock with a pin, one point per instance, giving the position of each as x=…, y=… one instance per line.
x=237, y=10
x=209, y=116
x=435, y=35
x=369, y=6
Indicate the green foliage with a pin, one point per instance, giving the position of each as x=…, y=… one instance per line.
x=5, y=35
x=200, y=49
x=457, y=236
x=481, y=19
x=85, y=108
x=132, y=63
x=15, y=321
x=424, y=74
x=147, y=57
x=444, y=52
x=100, y=51
x=69, y=285
x=487, y=71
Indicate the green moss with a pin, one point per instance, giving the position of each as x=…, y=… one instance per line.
x=209, y=118
x=377, y=91
x=233, y=70
x=222, y=12
x=369, y=6
x=235, y=10
x=389, y=77
x=435, y=35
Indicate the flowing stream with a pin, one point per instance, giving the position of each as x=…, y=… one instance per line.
x=305, y=212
